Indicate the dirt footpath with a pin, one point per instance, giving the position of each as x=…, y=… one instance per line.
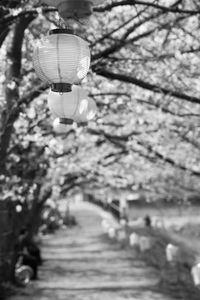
x=81, y=264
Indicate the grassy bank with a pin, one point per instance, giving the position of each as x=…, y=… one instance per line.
x=182, y=221
x=175, y=279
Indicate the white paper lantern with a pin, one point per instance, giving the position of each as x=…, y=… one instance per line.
x=111, y=232
x=157, y=222
x=123, y=222
x=72, y=106
x=172, y=253
x=134, y=239
x=18, y=208
x=121, y=235
x=78, y=9
x=144, y=243
x=105, y=225
x=196, y=274
x=61, y=60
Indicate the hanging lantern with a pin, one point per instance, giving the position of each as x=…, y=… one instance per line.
x=144, y=243
x=134, y=239
x=121, y=234
x=18, y=208
x=172, y=253
x=157, y=222
x=61, y=60
x=123, y=222
x=75, y=9
x=111, y=233
x=72, y=107
x=105, y=225
x=196, y=274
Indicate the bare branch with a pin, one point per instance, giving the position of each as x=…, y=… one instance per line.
x=147, y=4
x=146, y=85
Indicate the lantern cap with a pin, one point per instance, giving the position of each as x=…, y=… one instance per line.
x=61, y=31
x=75, y=9
x=65, y=121
x=61, y=87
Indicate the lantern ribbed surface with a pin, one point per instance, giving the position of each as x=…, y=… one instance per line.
x=74, y=105
x=62, y=58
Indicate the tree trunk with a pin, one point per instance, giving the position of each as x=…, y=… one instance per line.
x=8, y=117
x=13, y=73
x=36, y=209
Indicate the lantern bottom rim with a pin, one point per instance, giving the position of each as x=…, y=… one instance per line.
x=66, y=121
x=61, y=31
x=61, y=87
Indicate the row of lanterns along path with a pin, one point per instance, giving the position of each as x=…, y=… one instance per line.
x=145, y=243
x=62, y=60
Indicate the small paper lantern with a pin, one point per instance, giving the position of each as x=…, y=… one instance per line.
x=77, y=9
x=123, y=222
x=18, y=208
x=196, y=274
x=157, y=222
x=172, y=253
x=111, y=232
x=134, y=239
x=72, y=106
x=144, y=243
x=61, y=60
x=121, y=235
x=105, y=225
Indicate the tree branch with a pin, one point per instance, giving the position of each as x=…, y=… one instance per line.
x=168, y=160
x=147, y=4
x=145, y=85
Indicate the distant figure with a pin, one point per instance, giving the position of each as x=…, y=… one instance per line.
x=147, y=221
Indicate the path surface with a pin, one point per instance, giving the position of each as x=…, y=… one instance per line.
x=81, y=264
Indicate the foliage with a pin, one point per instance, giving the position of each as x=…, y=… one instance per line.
x=144, y=78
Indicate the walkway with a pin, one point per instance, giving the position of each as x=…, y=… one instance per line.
x=82, y=264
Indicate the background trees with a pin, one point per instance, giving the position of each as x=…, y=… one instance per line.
x=144, y=78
